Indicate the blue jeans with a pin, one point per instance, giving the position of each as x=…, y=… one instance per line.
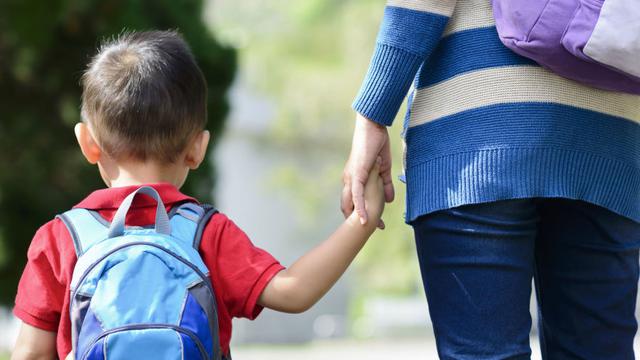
x=477, y=263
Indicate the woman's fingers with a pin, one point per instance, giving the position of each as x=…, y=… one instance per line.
x=346, y=202
x=385, y=172
x=357, y=191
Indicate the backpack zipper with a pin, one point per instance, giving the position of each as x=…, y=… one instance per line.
x=189, y=333
x=173, y=254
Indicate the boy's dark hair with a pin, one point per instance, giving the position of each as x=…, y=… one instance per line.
x=144, y=96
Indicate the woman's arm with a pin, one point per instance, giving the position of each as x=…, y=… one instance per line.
x=34, y=344
x=410, y=31
x=299, y=287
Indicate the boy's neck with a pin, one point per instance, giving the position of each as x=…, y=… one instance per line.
x=139, y=173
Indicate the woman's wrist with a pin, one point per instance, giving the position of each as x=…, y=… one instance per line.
x=368, y=123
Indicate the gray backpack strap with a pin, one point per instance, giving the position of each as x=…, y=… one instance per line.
x=209, y=211
x=162, y=225
x=86, y=228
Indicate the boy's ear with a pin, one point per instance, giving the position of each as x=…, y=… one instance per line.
x=88, y=145
x=197, y=150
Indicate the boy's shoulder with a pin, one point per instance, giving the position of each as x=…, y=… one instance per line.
x=52, y=240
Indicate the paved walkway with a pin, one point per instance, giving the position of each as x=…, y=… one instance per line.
x=423, y=348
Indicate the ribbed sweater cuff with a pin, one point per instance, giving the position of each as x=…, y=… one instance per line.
x=387, y=82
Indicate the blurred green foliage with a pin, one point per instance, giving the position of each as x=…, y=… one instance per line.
x=44, y=47
x=309, y=57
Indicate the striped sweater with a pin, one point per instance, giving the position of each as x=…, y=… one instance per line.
x=485, y=124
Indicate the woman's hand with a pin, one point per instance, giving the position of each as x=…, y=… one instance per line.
x=370, y=141
x=373, y=198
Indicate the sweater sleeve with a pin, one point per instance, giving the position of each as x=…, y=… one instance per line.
x=409, y=32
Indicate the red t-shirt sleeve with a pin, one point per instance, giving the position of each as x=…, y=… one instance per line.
x=240, y=270
x=42, y=287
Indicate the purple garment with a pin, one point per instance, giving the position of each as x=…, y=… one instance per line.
x=555, y=33
x=580, y=28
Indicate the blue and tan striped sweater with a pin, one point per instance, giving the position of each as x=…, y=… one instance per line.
x=485, y=124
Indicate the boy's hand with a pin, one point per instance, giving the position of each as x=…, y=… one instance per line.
x=373, y=196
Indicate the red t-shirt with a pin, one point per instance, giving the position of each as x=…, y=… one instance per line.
x=239, y=270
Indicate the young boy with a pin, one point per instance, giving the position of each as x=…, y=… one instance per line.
x=144, y=113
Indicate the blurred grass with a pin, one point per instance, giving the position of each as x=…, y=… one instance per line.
x=4, y=356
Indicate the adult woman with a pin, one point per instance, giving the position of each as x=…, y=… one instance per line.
x=512, y=173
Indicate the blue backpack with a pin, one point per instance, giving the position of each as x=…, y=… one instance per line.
x=142, y=293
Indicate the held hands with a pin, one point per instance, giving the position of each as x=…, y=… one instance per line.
x=373, y=197
x=370, y=142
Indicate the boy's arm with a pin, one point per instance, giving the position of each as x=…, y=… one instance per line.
x=34, y=344
x=299, y=287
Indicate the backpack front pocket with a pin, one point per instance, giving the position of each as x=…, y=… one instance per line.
x=534, y=28
x=142, y=341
